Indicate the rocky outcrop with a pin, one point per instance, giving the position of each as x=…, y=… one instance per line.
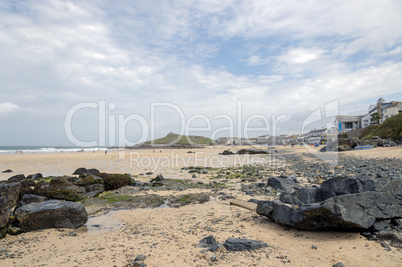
x=252, y=151
x=59, y=188
x=282, y=183
x=113, y=181
x=16, y=178
x=9, y=195
x=342, y=203
x=30, y=198
x=35, y=176
x=9, y=192
x=51, y=214
x=84, y=172
x=227, y=152
x=344, y=144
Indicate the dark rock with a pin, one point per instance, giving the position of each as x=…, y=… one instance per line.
x=208, y=242
x=251, y=151
x=194, y=176
x=93, y=171
x=394, y=238
x=51, y=214
x=348, y=211
x=339, y=264
x=30, y=198
x=265, y=208
x=366, y=234
x=227, y=152
x=60, y=188
x=140, y=257
x=304, y=195
x=281, y=183
x=9, y=192
x=343, y=148
x=80, y=171
x=6, y=171
x=16, y=178
x=139, y=184
x=382, y=225
x=35, y=176
x=253, y=200
x=95, y=187
x=28, y=182
x=89, y=180
x=14, y=230
x=346, y=185
x=114, y=180
x=235, y=244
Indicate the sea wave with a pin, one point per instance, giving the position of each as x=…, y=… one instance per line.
x=19, y=150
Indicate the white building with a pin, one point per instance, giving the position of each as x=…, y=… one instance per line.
x=348, y=123
x=390, y=109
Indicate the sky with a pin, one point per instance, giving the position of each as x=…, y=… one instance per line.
x=106, y=71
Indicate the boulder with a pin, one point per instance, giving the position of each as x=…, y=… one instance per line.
x=208, y=242
x=348, y=204
x=35, y=176
x=31, y=198
x=342, y=185
x=343, y=148
x=95, y=187
x=51, y=214
x=227, y=152
x=252, y=151
x=16, y=178
x=84, y=172
x=302, y=196
x=236, y=244
x=282, y=183
x=60, y=188
x=89, y=180
x=10, y=194
x=114, y=180
x=6, y=171
x=80, y=171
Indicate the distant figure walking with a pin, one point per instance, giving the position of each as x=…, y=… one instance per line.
x=105, y=152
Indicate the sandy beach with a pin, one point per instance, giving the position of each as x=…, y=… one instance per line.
x=169, y=236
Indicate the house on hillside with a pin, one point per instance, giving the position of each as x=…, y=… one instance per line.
x=390, y=109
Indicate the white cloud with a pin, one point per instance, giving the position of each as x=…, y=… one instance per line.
x=200, y=55
x=300, y=55
x=6, y=108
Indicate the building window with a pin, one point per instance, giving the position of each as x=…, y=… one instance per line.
x=348, y=125
x=386, y=116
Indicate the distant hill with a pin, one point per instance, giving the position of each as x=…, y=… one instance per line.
x=391, y=128
x=176, y=140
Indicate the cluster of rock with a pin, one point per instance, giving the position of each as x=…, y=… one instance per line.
x=339, y=203
x=34, y=202
x=231, y=244
x=344, y=144
x=28, y=212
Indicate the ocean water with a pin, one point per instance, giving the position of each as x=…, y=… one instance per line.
x=47, y=149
